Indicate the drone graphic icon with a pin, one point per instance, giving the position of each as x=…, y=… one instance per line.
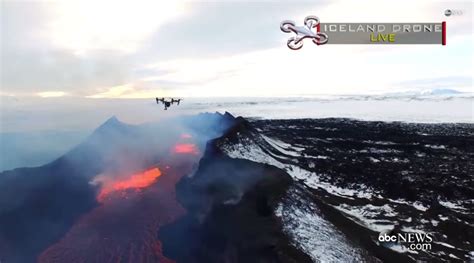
x=302, y=32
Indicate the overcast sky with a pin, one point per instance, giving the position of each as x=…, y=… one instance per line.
x=140, y=49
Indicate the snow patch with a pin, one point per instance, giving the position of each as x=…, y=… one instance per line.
x=281, y=146
x=451, y=205
x=369, y=216
x=312, y=233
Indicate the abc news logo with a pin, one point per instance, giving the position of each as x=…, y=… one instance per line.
x=414, y=241
x=453, y=12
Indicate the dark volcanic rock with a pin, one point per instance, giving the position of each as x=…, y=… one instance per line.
x=37, y=205
x=414, y=161
x=367, y=177
x=230, y=204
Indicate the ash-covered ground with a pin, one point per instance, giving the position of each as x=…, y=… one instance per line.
x=355, y=179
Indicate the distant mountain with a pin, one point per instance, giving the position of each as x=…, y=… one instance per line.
x=433, y=92
x=442, y=92
x=113, y=145
x=430, y=94
x=426, y=92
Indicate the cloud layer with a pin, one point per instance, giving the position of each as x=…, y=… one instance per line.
x=105, y=49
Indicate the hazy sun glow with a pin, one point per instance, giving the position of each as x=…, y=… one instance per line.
x=128, y=91
x=51, y=94
x=113, y=92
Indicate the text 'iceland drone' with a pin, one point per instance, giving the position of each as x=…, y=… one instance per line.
x=363, y=33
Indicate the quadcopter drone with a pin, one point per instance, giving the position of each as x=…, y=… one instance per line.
x=167, y=102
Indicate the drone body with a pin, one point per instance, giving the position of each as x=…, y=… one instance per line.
x=167, y=102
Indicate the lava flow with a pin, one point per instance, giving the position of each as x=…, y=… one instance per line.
x=136, y=181
x=126, y=229
x=186, y=148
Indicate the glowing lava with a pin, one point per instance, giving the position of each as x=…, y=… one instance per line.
x=186, y=148
x=126, y=230
x=136, y=181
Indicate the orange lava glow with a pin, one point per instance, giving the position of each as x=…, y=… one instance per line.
x=136, y=181
x=186, y=148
